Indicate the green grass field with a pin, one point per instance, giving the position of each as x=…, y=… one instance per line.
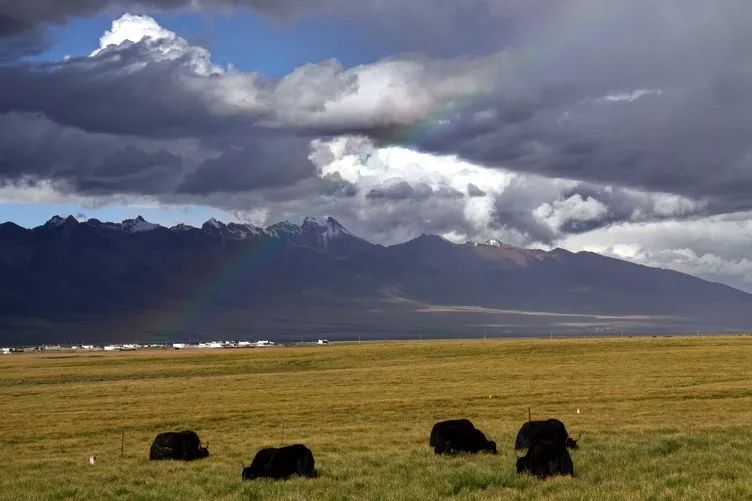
x=661, y=418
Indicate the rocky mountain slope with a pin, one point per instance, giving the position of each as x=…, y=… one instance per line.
x=72, y=281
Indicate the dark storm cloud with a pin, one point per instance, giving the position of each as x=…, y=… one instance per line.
x=33, y=148
x=401, y=190
x=167, y=88
x=261, y=163
x=19, y=39
x=680, y=137
x=132, y=170
x=27, y=14
x=99, y=95
x=544, y=210
x=474, y=191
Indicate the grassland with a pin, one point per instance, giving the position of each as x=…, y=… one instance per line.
x=661, y=418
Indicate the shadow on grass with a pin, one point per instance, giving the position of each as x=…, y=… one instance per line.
x=668, y=446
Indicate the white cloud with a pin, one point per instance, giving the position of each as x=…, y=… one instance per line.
x=424, y=188
x=630, y=97
x=394, y=91
x=398, y=91
x=38, y=192
x=49, y=192
x=133, y=28
x=558, y=213
x=163, y=43
x=258, y=216
x=715, y=248
x=361, y=163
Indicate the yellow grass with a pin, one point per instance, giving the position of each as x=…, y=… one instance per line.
x=661, y=418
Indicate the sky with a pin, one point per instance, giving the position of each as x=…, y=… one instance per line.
x=619, y=127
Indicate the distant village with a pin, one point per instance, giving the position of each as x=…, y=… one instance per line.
x=210, y=345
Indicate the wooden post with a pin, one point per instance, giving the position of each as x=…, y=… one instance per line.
x=122, y=443
x=529, y=413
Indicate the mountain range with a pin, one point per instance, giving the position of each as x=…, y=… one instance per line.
x=93, y=281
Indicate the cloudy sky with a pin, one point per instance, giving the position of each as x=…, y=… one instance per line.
x=623, y=127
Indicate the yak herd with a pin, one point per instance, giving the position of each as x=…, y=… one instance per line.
x=547, y=443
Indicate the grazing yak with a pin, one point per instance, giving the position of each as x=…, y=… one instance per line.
x=551, y=430
x=459, y=435
x=545, y=458
x=281, y=462
x=181, y=445
x=443, y=430
x=546, y=443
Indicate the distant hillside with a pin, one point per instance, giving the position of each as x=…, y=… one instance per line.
x=68, y=281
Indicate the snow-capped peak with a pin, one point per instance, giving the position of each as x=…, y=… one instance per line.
x=335, y=225
x=493, y=242
x=234, y=231
x=330, y=226
x=55, y=221
x=213, y=223
x=60, y=221
x=138, y=225
x=319, y=233
x=283, y=228
x=313, y=221
x=242, y=231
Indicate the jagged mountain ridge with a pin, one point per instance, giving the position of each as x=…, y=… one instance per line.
x=70, y=276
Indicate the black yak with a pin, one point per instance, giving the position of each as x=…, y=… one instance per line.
x=181, y=445
x=445, y=430
x=472, y=441
x=546, y=458
x=281, y=462
x=459, y=435
x=551, y=430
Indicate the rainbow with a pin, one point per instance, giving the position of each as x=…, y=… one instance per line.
x=574, y=28
x=195, y=314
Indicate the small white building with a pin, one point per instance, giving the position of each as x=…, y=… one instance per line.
x=111, y=347
x=322, y=341
x=245, y=344
x=264, y=343
x=178, y=346
x=7, y=351
x=210, y=344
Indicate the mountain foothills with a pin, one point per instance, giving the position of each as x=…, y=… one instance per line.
x=93, y=281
